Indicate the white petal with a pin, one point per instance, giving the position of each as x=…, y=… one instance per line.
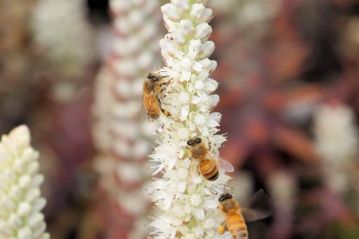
x=211, y=203
x=196, y=200
x=200, y=119
x=184, y=112
x=203, y=31
x=199, y=213
x=186, y=26
x=184, y=97
x=206, y=49
x=171, y=11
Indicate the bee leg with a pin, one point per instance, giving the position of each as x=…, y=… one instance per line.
x=222, y=228
x=163, y=84
x=243, y=234
x=157, y=89
x=160, y=129
x=165, y=112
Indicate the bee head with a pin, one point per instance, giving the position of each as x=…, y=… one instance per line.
x=194, y=141
x=225, y=196
x=153, y=77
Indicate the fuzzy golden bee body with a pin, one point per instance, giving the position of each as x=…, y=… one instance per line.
x=236, y=217
x=152, y=87
x=208, y=167
x=234, y=221
x=150, y=100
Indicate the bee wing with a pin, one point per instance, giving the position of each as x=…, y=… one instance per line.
x=226, y=165
x=259, y=207
x=192, y=170
x=143, y=114
x=150, y=102
x=252, y=215
x=260, y=201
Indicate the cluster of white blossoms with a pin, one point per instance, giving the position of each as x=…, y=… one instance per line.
x=186, y=202
x=123, y=136
x=336, y=133
x=337, y=142
x=20, y=198
x=248, y=13
x=61, y=28
x=283, y=190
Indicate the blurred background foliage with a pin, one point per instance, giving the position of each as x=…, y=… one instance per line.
x=281, y=62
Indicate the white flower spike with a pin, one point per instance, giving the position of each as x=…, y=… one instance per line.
x=186, y=201
x=20, y=198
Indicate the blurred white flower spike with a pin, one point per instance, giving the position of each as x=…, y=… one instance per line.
x=60, y=27
x=123, y=136
x=20, y=198
x=186, y=202
x=337, y=142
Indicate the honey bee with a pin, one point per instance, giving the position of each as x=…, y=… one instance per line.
x=208, y=167
x=152, y=87
x=236, y=218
